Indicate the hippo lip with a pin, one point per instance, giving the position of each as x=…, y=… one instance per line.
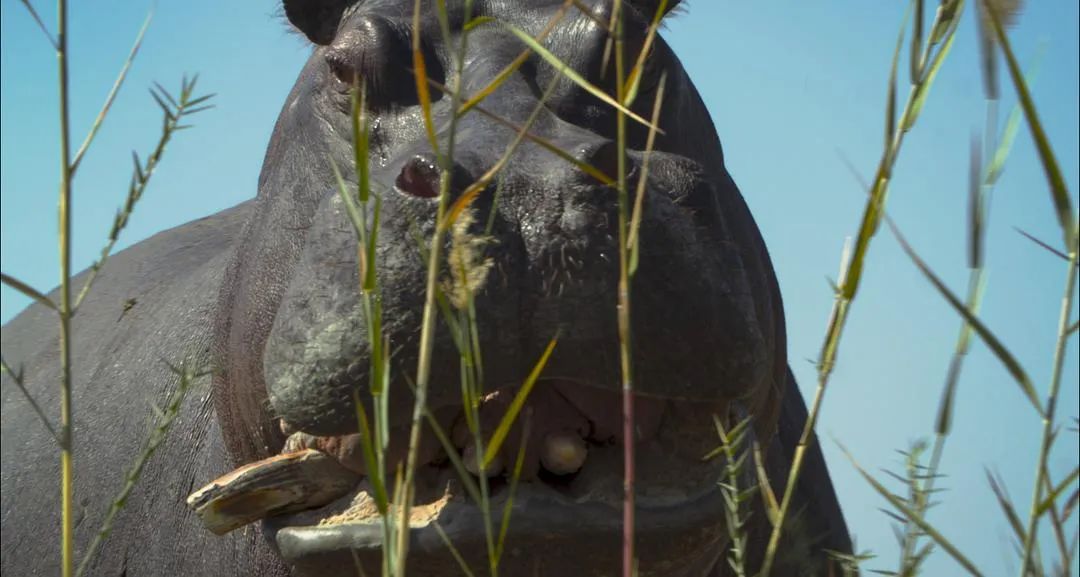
x=540, y=515
x=677, y=505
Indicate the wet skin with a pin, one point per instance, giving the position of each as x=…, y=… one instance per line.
x=267, y=293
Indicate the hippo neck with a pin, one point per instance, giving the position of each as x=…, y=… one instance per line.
x=296, y=174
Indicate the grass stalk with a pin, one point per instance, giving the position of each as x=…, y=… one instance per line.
x=623, y=303
x=67, y=469
x=1048, y=415
x=173, y=111
x=427, y=331
x=947, y=21
x=112, y=95
x=165, y=419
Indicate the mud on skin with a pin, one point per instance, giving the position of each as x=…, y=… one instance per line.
x=268, y=295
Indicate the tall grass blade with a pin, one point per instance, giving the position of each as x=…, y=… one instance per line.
x=503, y=429
x=923, y=89
x=976, y=207
x=514, y=65
x=768, y=497
x=40, y=23
x=420, y=77
x=890, y=103
x=466, y=199
x=914, y=517
x=575, y=77
x=1042, y=244
x=997, y=485
x=17, y=378
x=112, y=94
x=633, y=241
x=992, y=342
x=165, y=419
x=633, y=81
x=1012, y=126
x=1057, y=492
x=508, y=506
x=371, y=461
x=142, y=174
x=1058, y=188
x=465, y=570
x=27, y=291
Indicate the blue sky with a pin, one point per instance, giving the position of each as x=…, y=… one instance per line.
x=792, y=87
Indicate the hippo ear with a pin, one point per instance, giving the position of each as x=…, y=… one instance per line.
x=649, y=7
x=317, y=19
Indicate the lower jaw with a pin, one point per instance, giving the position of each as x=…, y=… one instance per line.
x=548, y=537
x=562, y=528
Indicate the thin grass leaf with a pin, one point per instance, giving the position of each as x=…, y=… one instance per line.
x=27, y=290
x=351, y=209
x=890, y=104
x=575, y=77
x=466, y=199
x=519, y=462
x=1053, y=495
x=1059, y=190
x=1075, y=326
x=998, y=487
x=164, y=421
x=476, y=23
x=1035, y=240
x=1012, y=125
x=914, y=517
x=633, y=239
x=633, y=81
x=916, y=43
x=539, y=140
x=165, y=93
x=943, y=423
x=17, y=378
x=420, y=77
x=976, y=207
x=514, y=65
x=41, y=25
x=112, y=94
x=999, y=350
x=452, y=454
x=516, y=404
x=465, y=570
x=923, y=89
x=768, y=497
x=371, y=461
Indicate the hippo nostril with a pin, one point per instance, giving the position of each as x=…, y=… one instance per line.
x=604, y=158
x=419, y=177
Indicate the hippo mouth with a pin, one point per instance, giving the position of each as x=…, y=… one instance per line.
x=561, y=470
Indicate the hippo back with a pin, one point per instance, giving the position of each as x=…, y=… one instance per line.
x=152, y=304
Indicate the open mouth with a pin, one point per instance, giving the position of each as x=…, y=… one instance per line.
x=560, y=468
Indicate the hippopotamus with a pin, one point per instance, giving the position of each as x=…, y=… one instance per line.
x=265, y=296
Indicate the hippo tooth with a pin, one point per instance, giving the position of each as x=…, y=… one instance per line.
x=468, y=457
x=563, y=453
x=281, y=484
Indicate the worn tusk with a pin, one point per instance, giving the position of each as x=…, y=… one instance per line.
x=468, y=457
x=563, y=453
x=281, y=484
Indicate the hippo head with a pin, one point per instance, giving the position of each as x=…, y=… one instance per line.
x=707, y=322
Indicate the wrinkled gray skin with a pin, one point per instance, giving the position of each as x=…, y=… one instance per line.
x=266, y=292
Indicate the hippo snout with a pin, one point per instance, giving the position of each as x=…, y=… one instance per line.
x=552, y=245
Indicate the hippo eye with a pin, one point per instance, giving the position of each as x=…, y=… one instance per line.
x=340, y=69
x=377, y=52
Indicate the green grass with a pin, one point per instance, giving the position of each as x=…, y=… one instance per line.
x=450, y=299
